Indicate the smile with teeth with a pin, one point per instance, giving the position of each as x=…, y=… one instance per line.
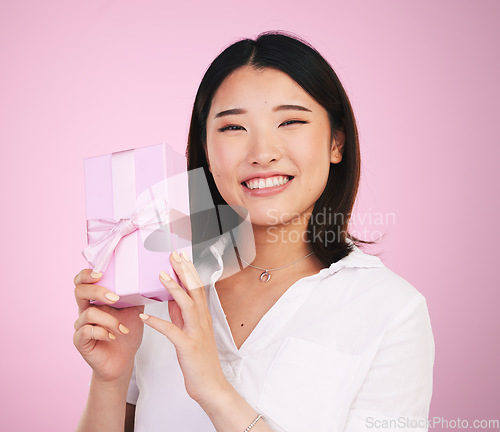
x=262, y=183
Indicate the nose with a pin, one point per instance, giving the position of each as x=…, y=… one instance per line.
x=263, y=150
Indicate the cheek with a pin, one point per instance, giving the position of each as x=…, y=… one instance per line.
x=223, y=158
x=222, y=169
x=318, y=183
x=317, y=169
x=215, y=149
x=219, y=165
x=315, y=157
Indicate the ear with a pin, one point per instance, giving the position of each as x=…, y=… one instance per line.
x=337, y=147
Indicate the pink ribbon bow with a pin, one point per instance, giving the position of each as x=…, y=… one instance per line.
x=105, y=234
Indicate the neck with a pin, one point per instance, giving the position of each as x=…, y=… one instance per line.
x=274, y=246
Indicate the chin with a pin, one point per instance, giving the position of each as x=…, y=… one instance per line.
x=271, y=217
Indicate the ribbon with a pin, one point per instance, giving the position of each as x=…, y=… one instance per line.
x=105, y=234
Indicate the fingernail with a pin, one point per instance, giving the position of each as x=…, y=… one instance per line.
x=123, y=329
x=95, y=275
x=112, y=296
x=184, y=255
x=165, y=276
x=143, y=316
x=112, y=336
x=176, y=256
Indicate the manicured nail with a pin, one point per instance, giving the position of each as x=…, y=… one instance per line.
x=184, y=255
x=123, y=329
x=112, y=296
x=143, y=316
x=165, y=276
x=176, y=256
x=95, y=275
x=112, y=336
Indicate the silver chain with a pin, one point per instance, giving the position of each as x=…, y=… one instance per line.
x=265, y=276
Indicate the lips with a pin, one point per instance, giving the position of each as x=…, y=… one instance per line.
x=268, y=181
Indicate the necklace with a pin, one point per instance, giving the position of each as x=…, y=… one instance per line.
x=265, y=276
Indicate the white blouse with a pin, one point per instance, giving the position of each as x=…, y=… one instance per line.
x=347, y=349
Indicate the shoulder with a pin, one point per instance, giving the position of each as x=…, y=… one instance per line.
x=383, y=284
x=367, y=271
x=363, y=283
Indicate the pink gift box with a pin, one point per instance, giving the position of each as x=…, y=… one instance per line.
x=137, y=214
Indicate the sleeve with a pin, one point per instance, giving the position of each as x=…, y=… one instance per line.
x=133, y=391
x=397, y=390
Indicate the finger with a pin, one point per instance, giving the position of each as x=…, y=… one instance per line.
x=186, y=304
x=89, y=333
x=191, y=276
x=86, y=276
x=96, y=316
x=173, y=333
x=187, y=274
x=84, y=293
x=192, y=270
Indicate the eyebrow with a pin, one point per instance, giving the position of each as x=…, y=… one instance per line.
x=235, y=111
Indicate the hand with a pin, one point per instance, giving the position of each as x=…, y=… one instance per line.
x=117, y=333
x=191, y=333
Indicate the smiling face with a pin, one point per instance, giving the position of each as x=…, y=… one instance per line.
x=269, y=145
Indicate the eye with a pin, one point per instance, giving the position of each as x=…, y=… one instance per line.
x=230, y=127
x=290, y=122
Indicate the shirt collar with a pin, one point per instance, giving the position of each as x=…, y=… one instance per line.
x=356, y=259
x=211, y=270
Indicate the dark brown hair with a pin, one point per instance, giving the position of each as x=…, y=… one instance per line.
x=295, y=57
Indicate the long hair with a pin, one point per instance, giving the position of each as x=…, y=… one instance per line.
x=328, y=225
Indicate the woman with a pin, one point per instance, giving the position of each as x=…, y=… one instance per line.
x=308, y=333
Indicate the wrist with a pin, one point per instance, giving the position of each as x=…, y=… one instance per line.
x=106, y=404
x=229, y=411
x=119, y=383
x=220, y=400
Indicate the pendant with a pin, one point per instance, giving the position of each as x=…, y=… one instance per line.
x=265, y=276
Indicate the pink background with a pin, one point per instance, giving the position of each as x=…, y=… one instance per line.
x=84, y=78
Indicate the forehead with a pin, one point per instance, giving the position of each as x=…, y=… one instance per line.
x=248, y=85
